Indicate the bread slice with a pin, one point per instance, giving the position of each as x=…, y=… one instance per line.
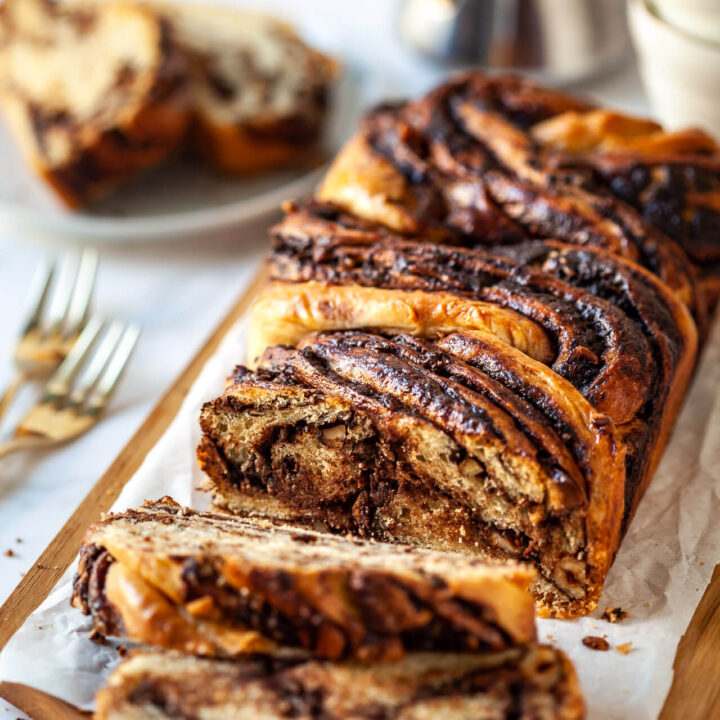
x=260, y=94
x=462, y=444
x=537, y=682
x=217, y=585
x=94, y=92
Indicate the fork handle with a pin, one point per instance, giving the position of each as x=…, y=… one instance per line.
x=11, y=391
x=24, y=442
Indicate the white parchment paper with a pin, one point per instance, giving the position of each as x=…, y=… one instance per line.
x=659, y=575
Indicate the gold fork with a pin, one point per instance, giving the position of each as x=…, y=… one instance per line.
x=55, y=322
x=78, y=391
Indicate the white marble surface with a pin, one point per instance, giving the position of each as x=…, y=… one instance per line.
x=178, y=293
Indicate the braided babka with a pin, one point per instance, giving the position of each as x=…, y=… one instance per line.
x=221, y=586
x=469, y=341
x=486, y=159
x=609, y=327
x=535, y=683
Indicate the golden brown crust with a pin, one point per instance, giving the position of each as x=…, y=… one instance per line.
x=284, y=313
x=369, y=186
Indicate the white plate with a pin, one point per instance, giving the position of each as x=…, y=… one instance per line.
x=175, y=201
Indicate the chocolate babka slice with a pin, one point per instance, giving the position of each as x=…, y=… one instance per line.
x=616, y=332
x=94, y=92
x=533, y=683
x=462, y=160
x=260, y=94
x=462, y=444
x=222, y=586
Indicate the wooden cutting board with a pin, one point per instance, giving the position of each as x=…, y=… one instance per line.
x=695, y=690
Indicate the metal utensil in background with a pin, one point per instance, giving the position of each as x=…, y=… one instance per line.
x=58, y=314
x=558, y=41
x=79, y=390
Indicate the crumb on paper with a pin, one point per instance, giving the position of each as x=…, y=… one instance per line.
x=19, y=540
x=9, y=553
x=97, y=637
x=595, y=643
x=549, y=636
x=613, y=615
x=625, y=648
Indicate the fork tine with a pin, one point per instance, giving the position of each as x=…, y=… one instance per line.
x=59, y=384
x=61, y=296
x=113, y=371
x=79, y=302
x=99, y=360
x=39, y=294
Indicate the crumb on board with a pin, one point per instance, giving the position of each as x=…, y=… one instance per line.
x=613, y=615
x=595, y=643
x=121, y=650
x=625, y=648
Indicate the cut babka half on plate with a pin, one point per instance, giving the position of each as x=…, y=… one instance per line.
x=463, y=159
x=463, y=443
x=260, y=94
x=94, y=92
x=217, y=585
x=536, y=682
x=608, y=326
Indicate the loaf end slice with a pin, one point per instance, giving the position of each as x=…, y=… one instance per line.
x=536, y=682
x=217, y=585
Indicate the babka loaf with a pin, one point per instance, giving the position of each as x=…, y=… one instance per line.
x=470, y=158
x=221, y=586
x=94, y=92
x=609, y=327
x=472, y=340
x=535, y=683
x=259, y=93
x=461, y=444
